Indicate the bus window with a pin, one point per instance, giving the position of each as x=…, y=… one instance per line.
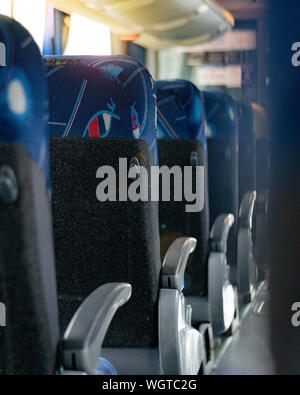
x=56, y=31
x=87, y=37
x=5, y=7
x=32, y=15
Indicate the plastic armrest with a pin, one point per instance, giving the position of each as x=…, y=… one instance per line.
x=219, y=233
x=85, y=334
x=246, y=209
x=174, y=264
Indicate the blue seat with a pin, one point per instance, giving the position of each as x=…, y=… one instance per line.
x=30, y=337
x=222, y=139
x=137, y=85
x=223, y=159
x=23, y=97
x=180, y=110
x=182, y=142
x=114, y=240
x=181, y=118
x=28, y=286
x=261, y=129
x=247, y=150
x=85, y=102
x=221, y=114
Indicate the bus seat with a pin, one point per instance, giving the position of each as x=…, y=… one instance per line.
x=261, y=129
x=182, y=142
x=99, y=241
x=262, y=134
x=27, y=266
x=181, y=139
x=28, y=285
x=223, y=170
x=183, y=99
x=222, y=143
x=135, y=80
x=247, y=170
x=247, y=150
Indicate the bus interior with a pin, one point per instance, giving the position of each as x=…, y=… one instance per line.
x=105, y=268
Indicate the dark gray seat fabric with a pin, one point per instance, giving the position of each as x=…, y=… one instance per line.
x=182, y=142
x=98, y=242
x=175, y=221
x=222, y=145
x=262, y=135
x=223, y=176
x=223, y=186
x=28, y=286
x=260, y=223
x=247, y=150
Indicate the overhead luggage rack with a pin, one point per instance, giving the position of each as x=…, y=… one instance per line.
x=157, y=24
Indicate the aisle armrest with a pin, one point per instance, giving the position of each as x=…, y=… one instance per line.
x=220, y=231
x=85, y=334
x=174, y=264
x=246, y=209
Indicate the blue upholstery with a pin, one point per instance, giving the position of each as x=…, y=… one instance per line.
x=86, y=103
x=136, y=85
x=23, y=94
x=180, y=111
x=221, y=115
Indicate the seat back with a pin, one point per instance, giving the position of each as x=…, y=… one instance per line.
x=182, y=142
x=102, y=241
x=222, y=143
x=261, y=129
x=263, y=152
x=247, y=150
x=28, y=342
x=137, y=84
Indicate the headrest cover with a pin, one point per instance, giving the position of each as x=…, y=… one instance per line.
x=180, y=110
x=137, y=86
x=23, y=93
x=86, y=103
x=221, y=115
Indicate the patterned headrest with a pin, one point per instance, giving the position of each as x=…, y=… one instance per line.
x=180, y=111
x=221, y=115
x=23, y=93
x=86, y=103
x=136, y=94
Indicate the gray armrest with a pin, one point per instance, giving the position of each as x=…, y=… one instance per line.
x=246, y=209
x=174, y=264
x=85, y=334
x=220, y=231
